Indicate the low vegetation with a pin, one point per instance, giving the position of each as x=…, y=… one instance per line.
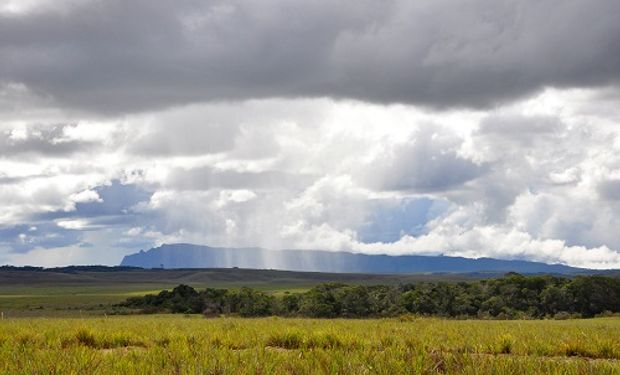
x=511, y=297
x=399, y=340
x=177, y=344
x=91, y=290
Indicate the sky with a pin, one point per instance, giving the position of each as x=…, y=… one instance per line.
x=476, y=128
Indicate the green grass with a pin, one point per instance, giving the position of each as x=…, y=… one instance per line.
x=52, y=293
x=62, y=329
x=67, y=300
x=92, y=300
x=176, y=344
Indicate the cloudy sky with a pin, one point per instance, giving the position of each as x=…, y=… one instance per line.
x=471, y=128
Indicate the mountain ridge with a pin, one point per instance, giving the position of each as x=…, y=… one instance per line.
x=183, y=255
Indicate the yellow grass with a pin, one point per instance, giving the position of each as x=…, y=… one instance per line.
x=173, y=344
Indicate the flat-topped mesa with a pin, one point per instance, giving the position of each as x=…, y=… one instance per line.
x=197, y=256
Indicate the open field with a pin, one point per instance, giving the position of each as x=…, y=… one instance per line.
x=214, y=277
x=82, y=291
x=55, y=323
x=194, y=345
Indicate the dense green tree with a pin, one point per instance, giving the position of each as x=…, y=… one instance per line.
x=321, y=301
x=513, y=296
x=289, y=304
x=250, y=302
x=554, y=299
x=354, y=301
x=595, y=294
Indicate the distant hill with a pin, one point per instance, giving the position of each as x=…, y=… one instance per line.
x=196, y=256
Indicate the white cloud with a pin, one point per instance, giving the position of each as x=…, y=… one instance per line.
x=85, y=196
x=77, y=224
x=525, y=181
x=234, y=196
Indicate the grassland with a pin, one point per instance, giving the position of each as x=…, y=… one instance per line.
x=55, y=323
x=195, y=345
x=83, y=292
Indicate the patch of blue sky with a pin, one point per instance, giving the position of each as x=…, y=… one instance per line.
x=391, y=220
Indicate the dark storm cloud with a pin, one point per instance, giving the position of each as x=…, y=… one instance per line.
x=117, y=56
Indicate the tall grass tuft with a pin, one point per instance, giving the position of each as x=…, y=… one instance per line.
x=324, y=341
x=505, y=344
x=286, y=340
x=85, y=337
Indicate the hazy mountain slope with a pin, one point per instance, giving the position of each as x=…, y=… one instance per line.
x=195, y=256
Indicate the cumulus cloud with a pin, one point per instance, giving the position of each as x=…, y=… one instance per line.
x=51, y=140
x=115, y=56
x=525, y=181
x=428, y=162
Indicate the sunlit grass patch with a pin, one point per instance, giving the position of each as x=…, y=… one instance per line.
x=174, y=344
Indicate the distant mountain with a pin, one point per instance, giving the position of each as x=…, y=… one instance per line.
x=195, y=256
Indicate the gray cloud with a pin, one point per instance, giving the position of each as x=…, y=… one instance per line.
x=518, y=127
x=114, y=204
x=428, y=162
x=41, y=140
x=205, y=178
x=187, y=139
x=23, y=238
x=115, y=56
x=11, y=180
x=609, y=190
x=519, y=152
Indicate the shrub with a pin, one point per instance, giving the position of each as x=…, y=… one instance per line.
x=562, y=315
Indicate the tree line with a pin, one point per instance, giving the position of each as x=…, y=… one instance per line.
x=513, y=296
